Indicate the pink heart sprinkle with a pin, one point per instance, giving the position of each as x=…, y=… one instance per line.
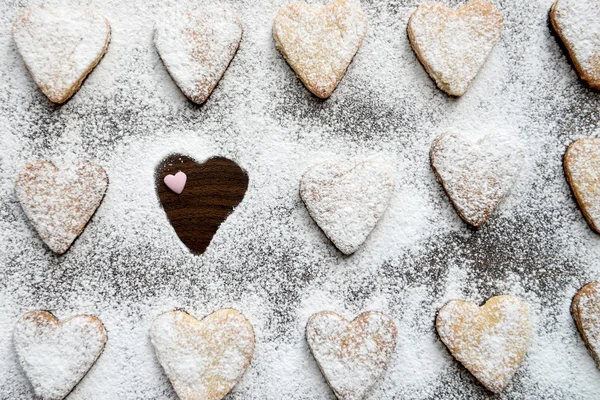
x=176, y=182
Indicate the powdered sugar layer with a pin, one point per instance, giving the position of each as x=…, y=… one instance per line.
x=351, y=355
x=196, y=48
x=476, y=175
x=60, y=47
x=203, y=359
x=55, y=356
x=59, y=203
x=454, y=44
x=269, y=260
x=346, y=200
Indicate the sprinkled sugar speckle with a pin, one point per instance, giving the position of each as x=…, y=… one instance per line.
x=269, y=260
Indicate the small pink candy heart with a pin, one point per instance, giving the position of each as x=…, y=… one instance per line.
x=176, y=182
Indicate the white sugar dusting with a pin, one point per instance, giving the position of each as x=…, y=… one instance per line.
x=269, y=259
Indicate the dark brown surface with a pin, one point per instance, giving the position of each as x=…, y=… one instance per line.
x=212, y=191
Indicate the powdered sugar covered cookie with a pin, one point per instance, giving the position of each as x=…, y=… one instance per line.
x=585, y=309
x=577, y=22
x=60, y=203
x=351, y=355
x=319, y=42
x=197, y=47
x=453, y=45
x=346, y=200
x=203, y=359
x=476, y=175
x=60, y=47
x=582, y=168
x=55, y=355
x=490, y=341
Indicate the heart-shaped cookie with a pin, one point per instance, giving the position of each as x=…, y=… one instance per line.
x=582, y=168
x=476, y=175
x=585, y=309
x=54, y=355
x=490, y=341
x=197, y=47
x=346, y=200
x=577, y=23
x=319, y=42
x=60, y=48
x=212, y=191
x=59, y=203
x=351, y=355
x=453, y=45
x=203, y=359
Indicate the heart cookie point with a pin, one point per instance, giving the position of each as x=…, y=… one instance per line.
x=55, y=355
x=582, y=169
x=453, y=45
x=203, y=359
x=576, y=24
x=60, y=48
x=476, y=176
x=212, y=191
x=585, y=309
x=176, y=182
x=490, y=341
x=347, y=200
x=320, y=42
x=59, y=204
x=197, y=47
x=351, y=355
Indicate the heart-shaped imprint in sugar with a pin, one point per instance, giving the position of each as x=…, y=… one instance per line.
x=452, y=44
x=203, y=359
x=476, y=175
x=319, y=42
x=351, y=355
x=197, y=47
x=59, y=203
x=60, y=47
x=212, y=191
x=347, y=200
x=490, y=341
x=577, y=23
x=585, y=309
x=55, y=355
x=582, y=168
